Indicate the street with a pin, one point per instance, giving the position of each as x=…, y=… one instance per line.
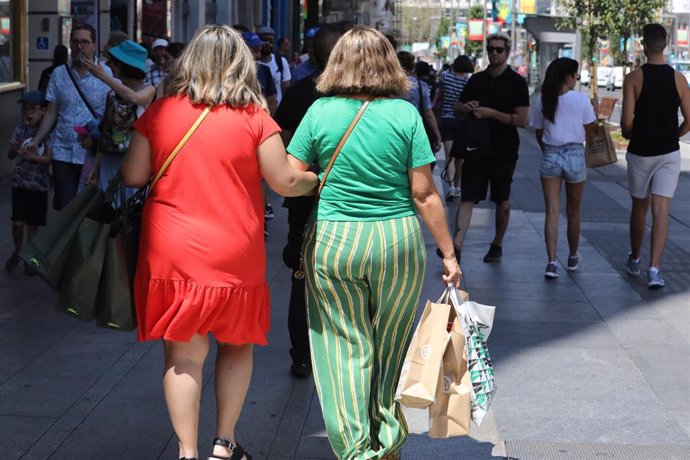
x=591, y=365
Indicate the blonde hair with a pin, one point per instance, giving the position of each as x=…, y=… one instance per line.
x=215, y=68
x=363, y=62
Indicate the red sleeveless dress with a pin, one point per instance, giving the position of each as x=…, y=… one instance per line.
x=202, y=263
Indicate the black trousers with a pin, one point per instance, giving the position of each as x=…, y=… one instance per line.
x=66, y=181
x=299, y=209
x=297, y=323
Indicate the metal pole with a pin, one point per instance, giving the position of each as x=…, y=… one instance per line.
x=513, y=20
x=485, y=29
x=577, y=52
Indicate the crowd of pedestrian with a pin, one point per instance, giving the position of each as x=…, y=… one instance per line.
x=354, y=243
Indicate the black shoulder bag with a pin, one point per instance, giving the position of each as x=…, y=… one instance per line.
x=81, y=94
x=473, y=138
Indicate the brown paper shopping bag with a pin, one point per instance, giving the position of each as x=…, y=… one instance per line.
x=419, y=374
x=450, y=413
x=599, y=150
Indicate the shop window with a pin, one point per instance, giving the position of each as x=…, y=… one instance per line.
x=7, y=42
x=12, y=37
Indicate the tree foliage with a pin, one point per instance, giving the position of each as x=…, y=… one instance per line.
x=417, y=24
x=613, y=19
x=443, y=28
x=627, y=18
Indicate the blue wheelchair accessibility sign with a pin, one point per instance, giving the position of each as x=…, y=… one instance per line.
x=42, y=43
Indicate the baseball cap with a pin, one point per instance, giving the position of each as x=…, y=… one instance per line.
x=159, y=42
x=311, y=32
x=252, y=40
x=32, y=97
x=266, y=30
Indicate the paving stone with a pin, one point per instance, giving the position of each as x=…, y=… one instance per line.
x=592, y=357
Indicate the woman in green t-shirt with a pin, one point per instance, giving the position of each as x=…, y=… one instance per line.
x=364, y=253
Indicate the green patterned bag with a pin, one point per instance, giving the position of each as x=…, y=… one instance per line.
x=477, y=320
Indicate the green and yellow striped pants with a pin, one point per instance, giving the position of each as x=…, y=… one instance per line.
x=364, y=281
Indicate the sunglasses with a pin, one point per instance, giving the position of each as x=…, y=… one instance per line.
x=495, y=49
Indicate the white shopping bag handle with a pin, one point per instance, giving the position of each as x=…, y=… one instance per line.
x=467, y=311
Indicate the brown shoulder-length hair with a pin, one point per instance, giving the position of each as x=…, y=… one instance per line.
x=363, y=62
x=216, y=67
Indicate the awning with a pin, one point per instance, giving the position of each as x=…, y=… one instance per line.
x=543, y=28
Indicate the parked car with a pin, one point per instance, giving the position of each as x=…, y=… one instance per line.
x=584, y=77
x=603, y=75
x=610, y=77
x=684, y=68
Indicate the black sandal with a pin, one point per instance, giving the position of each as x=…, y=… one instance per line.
x=235, y=451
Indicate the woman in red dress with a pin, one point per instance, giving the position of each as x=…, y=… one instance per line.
x=201, y=265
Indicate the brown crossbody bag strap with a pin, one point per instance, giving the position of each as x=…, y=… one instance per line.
x=299, y=273
x=178, y=147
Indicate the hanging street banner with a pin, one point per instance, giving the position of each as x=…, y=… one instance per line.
x=475, y=29
x=528, y=7
x=500, y=11
x=682, y=38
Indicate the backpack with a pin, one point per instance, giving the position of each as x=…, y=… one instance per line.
x=279, y=63
x=117, y=126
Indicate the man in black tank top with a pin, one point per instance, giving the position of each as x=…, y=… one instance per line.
x=652, y=95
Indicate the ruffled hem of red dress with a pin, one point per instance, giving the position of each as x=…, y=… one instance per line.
x=175, y=310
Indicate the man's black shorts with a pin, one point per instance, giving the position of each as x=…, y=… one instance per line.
x=30, y=206
x=477, y=175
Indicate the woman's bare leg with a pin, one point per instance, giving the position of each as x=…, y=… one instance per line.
x=233, y=374
x=182, y=384
x=552, y=204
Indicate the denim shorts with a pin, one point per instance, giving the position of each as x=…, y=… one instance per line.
x=566, y=161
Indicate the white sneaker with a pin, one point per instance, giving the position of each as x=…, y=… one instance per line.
x=551, y=271
x=654, y=279
x=632, y=267
x=574, y=262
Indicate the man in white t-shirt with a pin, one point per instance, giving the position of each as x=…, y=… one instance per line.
x=280, y=69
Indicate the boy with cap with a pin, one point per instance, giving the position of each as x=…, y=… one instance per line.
x=30, y=179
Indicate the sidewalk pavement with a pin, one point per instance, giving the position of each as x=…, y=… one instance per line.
x=590, y=365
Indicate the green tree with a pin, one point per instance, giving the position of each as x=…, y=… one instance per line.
x=443, y=28
x=416, y=24
x=475, y=49
x=626, y=19
x=591, y=18
x=614, y=19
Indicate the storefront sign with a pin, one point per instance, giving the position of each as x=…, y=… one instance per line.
x=682, y=38
x=475, y=29
x=528, y=7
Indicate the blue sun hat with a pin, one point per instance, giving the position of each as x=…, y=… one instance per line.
x=130, y=53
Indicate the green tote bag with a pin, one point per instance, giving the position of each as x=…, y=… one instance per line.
x=49, y=251
x=79, y=287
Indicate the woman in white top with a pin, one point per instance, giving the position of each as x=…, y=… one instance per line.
x=561, y=116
